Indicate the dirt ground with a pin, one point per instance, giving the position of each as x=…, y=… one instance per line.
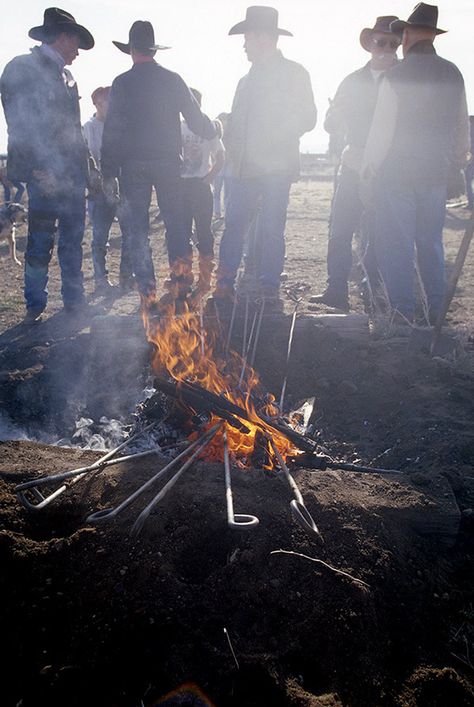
x=191, y=612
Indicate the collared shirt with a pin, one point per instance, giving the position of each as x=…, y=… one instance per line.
x=58, y=59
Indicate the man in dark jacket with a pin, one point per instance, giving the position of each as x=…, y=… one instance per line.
x=350, y=115
x=419, y=132
x=142, y=143
x=46, y=150
x=273, y=106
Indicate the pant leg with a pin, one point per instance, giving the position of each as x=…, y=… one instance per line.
x=242, y=200
x=71, y=224
x=469, y=176
x=169, y=194
x=126, y=254
x=103, y=215
x=187, y=185
x=271, y=228
x=202, y=208
x=217, y=185
x=431, y=209
x=345, y=218
x=42, y=216
x=395, y=231
x=137, y=183
x=20, y=190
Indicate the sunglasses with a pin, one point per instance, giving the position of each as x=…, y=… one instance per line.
x=392, y=43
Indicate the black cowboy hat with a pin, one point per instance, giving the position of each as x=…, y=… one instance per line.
x=382, y=24
x=56, y=21
x=141, y=37
x=259, y=19
x=423, y=15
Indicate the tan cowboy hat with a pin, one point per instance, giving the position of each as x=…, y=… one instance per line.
x=382, y=24
x=259, y=19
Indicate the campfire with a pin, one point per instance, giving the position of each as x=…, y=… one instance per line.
x=207, y=403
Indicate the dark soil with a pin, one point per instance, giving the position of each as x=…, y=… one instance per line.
x=191, y=612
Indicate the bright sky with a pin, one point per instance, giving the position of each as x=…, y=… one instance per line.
x=326, y=42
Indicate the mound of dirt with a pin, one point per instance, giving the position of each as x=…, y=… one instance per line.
x=94, y=616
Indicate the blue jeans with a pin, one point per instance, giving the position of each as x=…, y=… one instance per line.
x=46, y=215
x=138, y=180
x=102, y=215
x=407, y=217
x=243, y=195
x=20, y=190
x=346, y=213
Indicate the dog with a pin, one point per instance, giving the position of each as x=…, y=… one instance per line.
x=11, y=215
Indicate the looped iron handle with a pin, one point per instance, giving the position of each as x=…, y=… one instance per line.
x=234, y=520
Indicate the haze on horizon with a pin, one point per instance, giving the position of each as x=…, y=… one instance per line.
x=326, y=42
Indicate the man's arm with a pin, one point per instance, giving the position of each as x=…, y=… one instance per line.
x=462, y=139
x=218, y=160
x=197, y=121
x=114, y=134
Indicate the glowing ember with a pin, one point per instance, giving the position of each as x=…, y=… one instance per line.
x=187, y=353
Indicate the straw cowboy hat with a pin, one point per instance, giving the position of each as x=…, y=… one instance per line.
x=423, y=15
x=56, y=21
x=382, y=24
x=260, y=19
x=141, y=37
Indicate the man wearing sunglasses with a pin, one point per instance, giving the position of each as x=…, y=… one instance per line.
x=349, y=117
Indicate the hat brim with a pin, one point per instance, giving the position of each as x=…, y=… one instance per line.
x=126, y=48
x=43, y=34
x=243, y=27
x=367, y=33
x=399, y=25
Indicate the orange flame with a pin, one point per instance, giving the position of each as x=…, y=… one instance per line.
x=188, y=353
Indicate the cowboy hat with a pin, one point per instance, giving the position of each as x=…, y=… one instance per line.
x=423, y=15
x=382, y=24
x=56, y=21
x=259, y=19
x=141, y=37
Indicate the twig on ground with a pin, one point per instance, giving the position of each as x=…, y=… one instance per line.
x=324, y=564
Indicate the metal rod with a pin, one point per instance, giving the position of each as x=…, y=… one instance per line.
x=246, y=322
x=245, y=357
x=234, y=520
x=142, y=518
x=232, y=318
x=257, y=333
x=109, y=513
x=298, y=508
x=290, y=342
x=75, y=475
x=201, y=326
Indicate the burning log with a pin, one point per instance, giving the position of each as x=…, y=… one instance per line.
x=194, y=399
x=202, y=399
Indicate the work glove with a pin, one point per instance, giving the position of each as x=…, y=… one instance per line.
x=111, y=191
x=94, y=179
